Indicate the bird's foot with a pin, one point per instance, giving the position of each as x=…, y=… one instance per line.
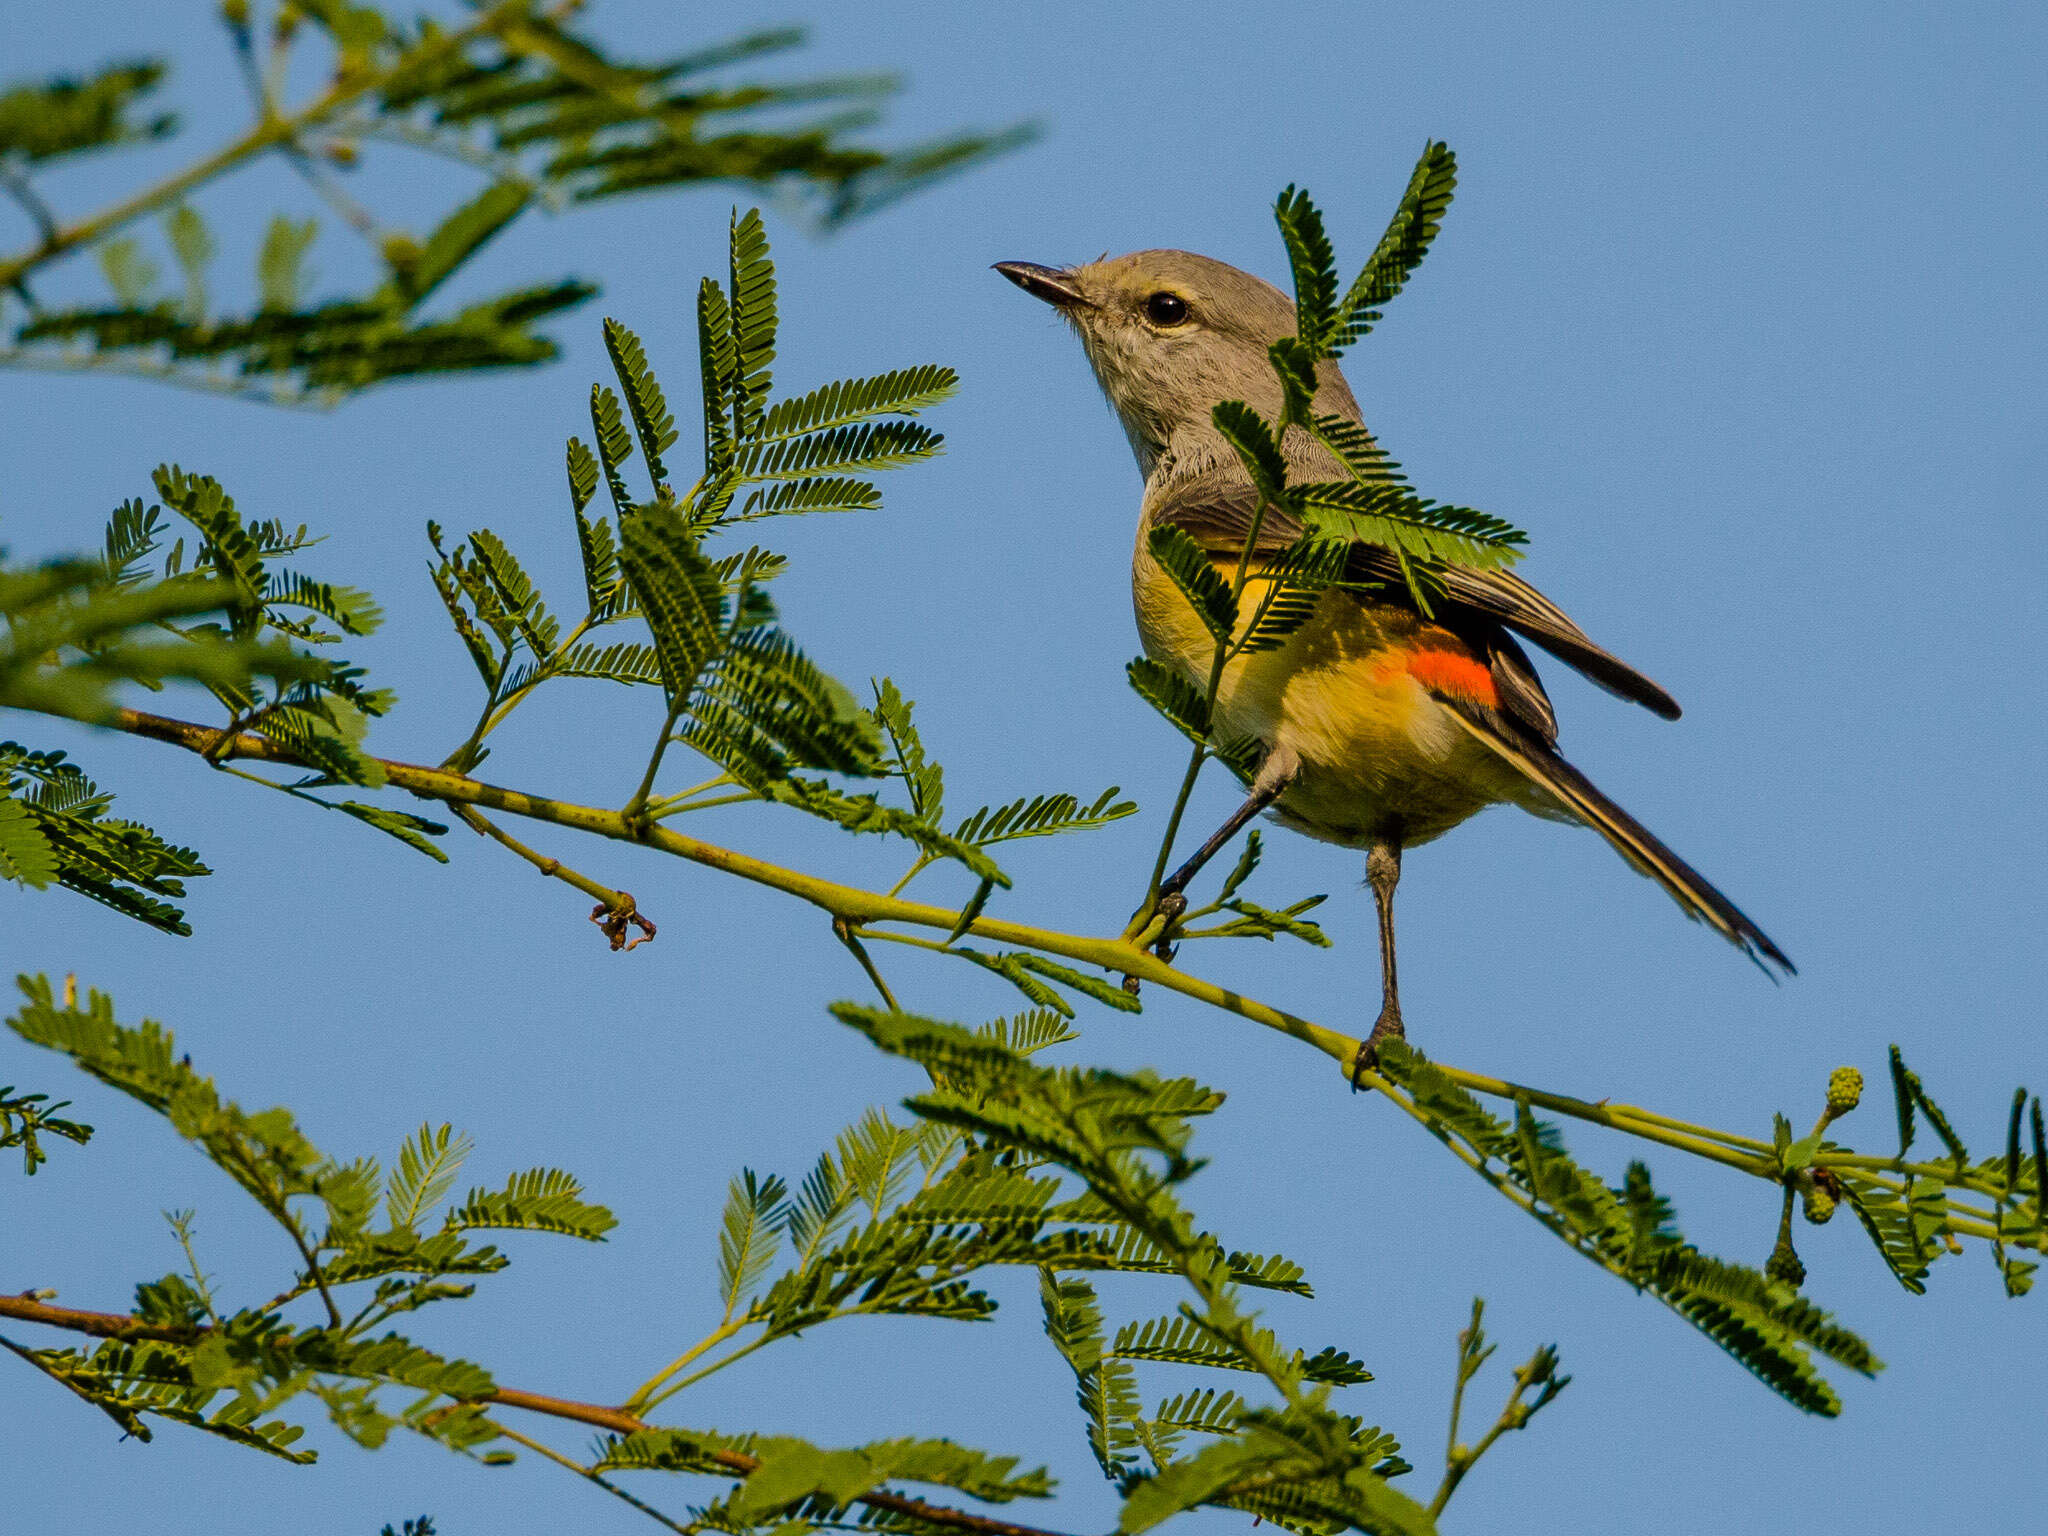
x=1387, y=1027
x=1153, y=926
x=1154, y=921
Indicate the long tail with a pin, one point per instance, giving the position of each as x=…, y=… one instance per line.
x=1630, y=838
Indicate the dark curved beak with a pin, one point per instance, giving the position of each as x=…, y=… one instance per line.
x=1048, y=283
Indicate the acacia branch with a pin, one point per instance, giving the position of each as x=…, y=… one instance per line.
x=855, y=905
x=26, y=1308
x=857, y=908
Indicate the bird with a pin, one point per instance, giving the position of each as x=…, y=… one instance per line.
x=1381, y=724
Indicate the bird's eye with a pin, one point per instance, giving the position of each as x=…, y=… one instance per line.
x=1166, y=309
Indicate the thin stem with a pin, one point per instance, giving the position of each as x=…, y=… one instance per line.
x=17, y=186
x=924, y=862
x=843, y=931
x=662, y=804
x=1463, y=1459
x=1614, y=1118
x=245, y=61
x=332, y=193
x=279, y=393
x=1180, y=805
x=1651, y=1117
x=1467, y=1368
x=279, y=60
x=313, y=1273
x=182, y=1226
x=635, y=812
x=667, y=810
x=540, y=1448
x=551, y=867
x=500, y=167
x=655, y=1399
x=643, y=1395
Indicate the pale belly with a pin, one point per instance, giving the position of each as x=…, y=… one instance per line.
x=1379, y=757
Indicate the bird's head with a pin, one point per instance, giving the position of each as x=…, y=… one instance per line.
x=1170, y=335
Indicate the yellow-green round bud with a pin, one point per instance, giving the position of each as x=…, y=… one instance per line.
x=235, y=12
x=401, y=252
x=1818, y=1206
x=1845, y=1090
x=342, y=153
x=1784, y=1265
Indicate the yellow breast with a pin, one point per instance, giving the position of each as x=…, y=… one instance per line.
x=1376, y=749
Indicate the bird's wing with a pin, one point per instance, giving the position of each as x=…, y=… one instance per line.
x=1216, y=510
x=1539, y=762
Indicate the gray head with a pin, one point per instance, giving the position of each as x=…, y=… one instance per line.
x=1170, y=334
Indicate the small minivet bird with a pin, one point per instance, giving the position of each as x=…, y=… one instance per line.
x=1381, y=728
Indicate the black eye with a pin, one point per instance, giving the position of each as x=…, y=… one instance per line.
x=1166, y=309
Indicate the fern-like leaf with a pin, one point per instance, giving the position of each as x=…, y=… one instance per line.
x=652, y=422
x=901, y=392
x=1411, y=525
x=1194, y=573
x=1401, y=249
x=428, y=1164
x=538, y=1200
x=1313, y=264
x=749, y=1233
x=753, y=323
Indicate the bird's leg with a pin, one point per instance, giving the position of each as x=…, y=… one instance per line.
x=1275, y=774
x=1383, y=873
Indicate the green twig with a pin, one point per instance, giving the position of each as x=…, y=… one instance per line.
x=843, y=931
x=540, y=1448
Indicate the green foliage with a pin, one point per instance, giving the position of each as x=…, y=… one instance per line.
x=740, y=691
x=1767, y=1327
x=791, y=1478
x=234, y=615
x=1187, y=710
x=63, y=116
x=1189, y=567
x=75, y=631
x=25, y=1118
x=542, y=114
x=1247, y=919
x=53, y=829
x=1125, y=1138
x=1411, y=525
x=225, y=1374
x=1911, y=1216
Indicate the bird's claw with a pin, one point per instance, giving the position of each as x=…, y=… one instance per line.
x=1387, y=1027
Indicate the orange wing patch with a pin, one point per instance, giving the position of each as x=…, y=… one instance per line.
x=1460, y=676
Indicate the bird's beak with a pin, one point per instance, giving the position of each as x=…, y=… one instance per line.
x=1048, y=283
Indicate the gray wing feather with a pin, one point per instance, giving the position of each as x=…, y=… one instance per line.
x=1215, y=508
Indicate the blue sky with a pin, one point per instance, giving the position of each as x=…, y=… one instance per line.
x=1738, y=311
